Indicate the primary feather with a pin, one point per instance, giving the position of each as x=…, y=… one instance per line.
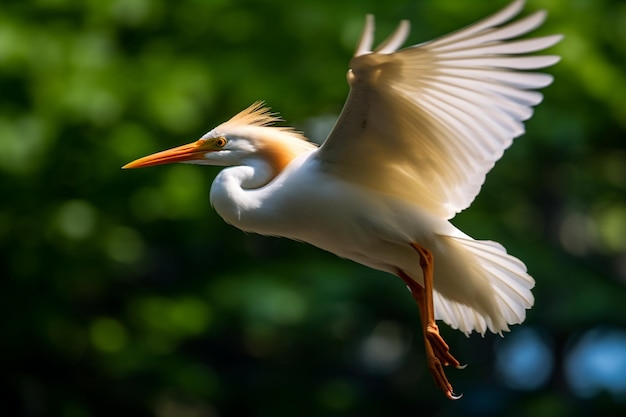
x=426, y=123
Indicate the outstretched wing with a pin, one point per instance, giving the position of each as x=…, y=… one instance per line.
x=426, y=123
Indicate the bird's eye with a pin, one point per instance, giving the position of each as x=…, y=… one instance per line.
x=220, y=142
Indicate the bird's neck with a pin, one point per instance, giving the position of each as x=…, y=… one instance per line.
x=234, y=191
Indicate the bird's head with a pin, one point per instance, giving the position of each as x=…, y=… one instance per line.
x=247, y=135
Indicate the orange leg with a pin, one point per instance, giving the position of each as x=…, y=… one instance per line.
x=437, y=351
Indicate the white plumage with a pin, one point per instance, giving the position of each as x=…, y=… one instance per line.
x=436, y=116
x=421, y=128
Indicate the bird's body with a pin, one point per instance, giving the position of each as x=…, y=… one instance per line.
x=420, y=130
x=373, y=229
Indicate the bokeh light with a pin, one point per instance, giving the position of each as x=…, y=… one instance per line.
x=596, y=363
x=524, y=359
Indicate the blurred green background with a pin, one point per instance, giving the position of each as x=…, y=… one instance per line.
x=123, y=292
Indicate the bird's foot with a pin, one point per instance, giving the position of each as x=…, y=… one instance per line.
x=438, y=356
x=440, y=348
x=441, y=380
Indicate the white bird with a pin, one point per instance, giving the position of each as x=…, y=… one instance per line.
x=421, y=128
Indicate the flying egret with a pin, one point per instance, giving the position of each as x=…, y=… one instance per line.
x=421, y=128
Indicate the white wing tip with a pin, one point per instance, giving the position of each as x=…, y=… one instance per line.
x=367, y=37
x=389, y=45
x=396, y=39
x=515, y=7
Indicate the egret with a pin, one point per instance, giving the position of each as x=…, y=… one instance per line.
x=419, y=131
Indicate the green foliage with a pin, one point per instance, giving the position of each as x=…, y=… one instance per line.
x=124, y=293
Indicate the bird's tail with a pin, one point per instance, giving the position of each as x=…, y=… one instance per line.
x=491, y=288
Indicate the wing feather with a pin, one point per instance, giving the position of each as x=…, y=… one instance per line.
x=367, y=37
x=512, y=30
x=500, y=17
x=426, y=123
x=396, y=39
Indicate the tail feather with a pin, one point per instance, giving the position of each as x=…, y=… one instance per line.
x=497, y=285
x=460, y=316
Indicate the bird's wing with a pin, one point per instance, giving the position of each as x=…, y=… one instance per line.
x=426, y=123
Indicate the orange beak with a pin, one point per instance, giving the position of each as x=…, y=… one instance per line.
x=184, y=153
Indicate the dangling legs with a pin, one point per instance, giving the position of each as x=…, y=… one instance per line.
x=437, y=350
x=442, y=351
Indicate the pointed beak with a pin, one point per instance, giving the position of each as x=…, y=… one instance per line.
x=185, y=153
